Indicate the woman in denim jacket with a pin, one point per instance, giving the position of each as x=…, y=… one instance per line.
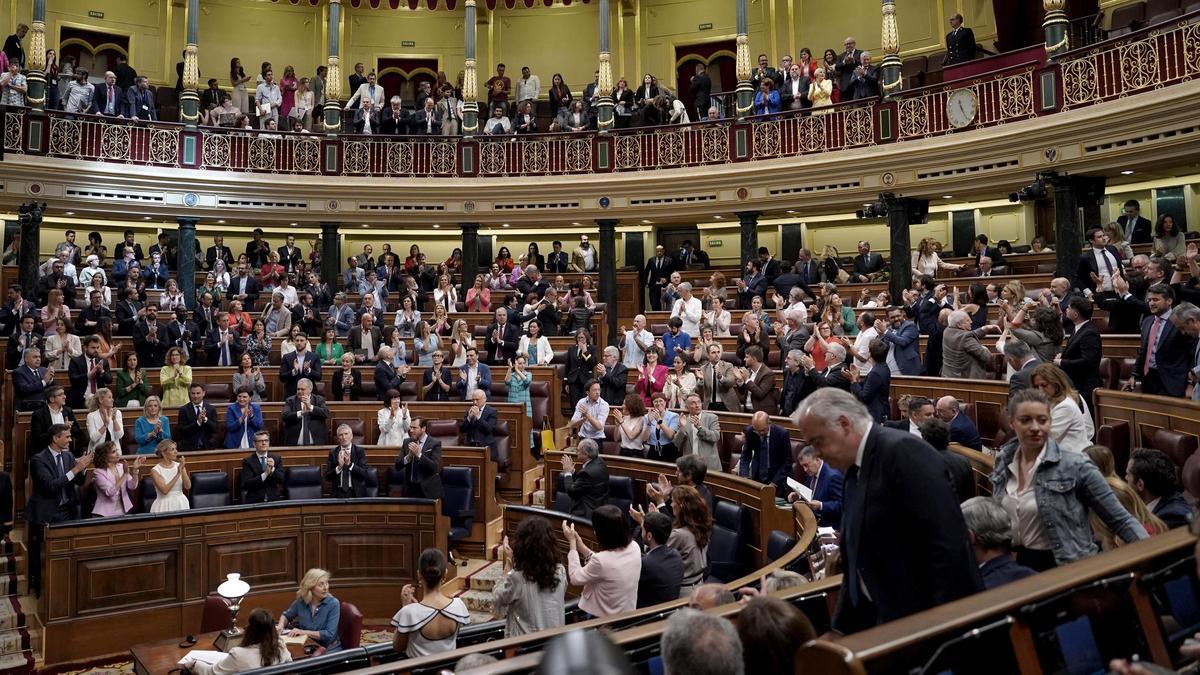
x=1048, y=491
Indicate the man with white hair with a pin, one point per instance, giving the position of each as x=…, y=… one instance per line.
x=304, y=416
x=696, y=643
x=834, y=375
x=904, y=545
x=611, y=374
x=790, y=334
x=962, y=429
x=636, y=342
x=1186, y=318
x=689, y=310
x=990, y=530
x=865, y=80
x=346, y=469
x=963, y=355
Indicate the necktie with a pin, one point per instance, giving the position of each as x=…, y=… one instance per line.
x=1152, y=345
x=28, y=338
x=108, y=108
x=1107, y=264
x=850, y=534
x=713, y=386
x=345, y=475
x=62, y=468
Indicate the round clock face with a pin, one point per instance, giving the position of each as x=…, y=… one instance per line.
x=961, y=108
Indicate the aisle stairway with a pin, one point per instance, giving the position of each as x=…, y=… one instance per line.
x=16, y=613
x=478, y=596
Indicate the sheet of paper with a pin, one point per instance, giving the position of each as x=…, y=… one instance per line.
x=294, y=639
x=205, y=655
x=800, y=489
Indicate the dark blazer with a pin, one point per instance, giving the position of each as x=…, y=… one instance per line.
x=809, y=272
x=778, y=451
x=290, y=262
x=100, y=99
x=150, y=354
x=1125, y=314
x=139, y=104
x=1080, y=359
x=1173, y=360
x=833, y=376
x=251, y=289
x=827, y=488
x=844, y=72
x=386, y=378
x=1088, y=266
x=866, y=86
x=310, y=369
x=510, y=338
x=49, y=483
x=77, y=374
x=612, y=384
x=874, y=391
x=191, y=435
x=903, y=535
x=485, y=381
x=394, y=123
x=964, y=432
x=557, y=263
x=428, y=467
x=126, y=316
x=436, y=393
x=213, y=254
x=29, y=388
x=755, y=285
x=1141, y=229
x=357, y=473
x=213, y=349
x=1174, y=510
x=1002, y=570
x=927, y=310
x=796, y=386
x=960, y=46
x=253, y=488
x=959, y=473
x=339, y=388
x=868, y=264
x=662, y=573
x=1020, y=379
x=587, y=487
x=478, y=433
x=316, y=420
x=39, y=427
x=906, y=342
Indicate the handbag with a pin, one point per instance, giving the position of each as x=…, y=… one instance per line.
x=548, y=440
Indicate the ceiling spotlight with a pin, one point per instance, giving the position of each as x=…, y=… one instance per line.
x=718, y=217
x=1127, y=172
x=70, y=213
x=575, y=224
x=221, y=222
x=791, y=210
x=145, y=217
x=947, y=196
x=435, y=225
x=646, y=222
x=504, y=225
x=295, y=224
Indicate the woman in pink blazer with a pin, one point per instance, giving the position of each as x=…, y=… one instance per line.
x=113, y=482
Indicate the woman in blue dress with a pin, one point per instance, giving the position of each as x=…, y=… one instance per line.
x=519, y=380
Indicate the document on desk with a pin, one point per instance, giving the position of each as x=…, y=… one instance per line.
x=203, y=655
x=294, y=639
x=801, y=489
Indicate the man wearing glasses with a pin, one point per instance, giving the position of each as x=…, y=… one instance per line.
x=1137, y=228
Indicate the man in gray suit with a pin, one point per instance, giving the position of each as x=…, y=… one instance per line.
x=717, y=383
x=699, y=431
x=963, y=355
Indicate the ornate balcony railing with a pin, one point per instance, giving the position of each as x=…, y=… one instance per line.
x=1156, y=57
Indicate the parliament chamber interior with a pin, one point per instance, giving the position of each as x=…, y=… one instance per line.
x=599, y=336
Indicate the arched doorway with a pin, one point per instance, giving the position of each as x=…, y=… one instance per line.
x=720, y=58
x=403, y=76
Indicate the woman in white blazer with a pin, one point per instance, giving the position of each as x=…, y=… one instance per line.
x=104, y=422
x=535, y=345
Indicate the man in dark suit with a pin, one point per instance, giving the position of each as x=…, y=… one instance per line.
x=365, y=340
x=262, y=472
x=793, y=91
x=1137, y=229
x=843, y=71
x=769, y=266
x=1080, y=359
x=421, y=463
x=55, y=475
x=30, y=380
x=865, y=79
x=54, y=412
x=765, y=452
x=990, y=530
x=108, y=99
x=473, y=375
x=662, y=566
x=258, y=250
x=197, y=422
x=656, y=273
x=754, y=283
x=243, y=286
x=304, y=416
x=223, y=346
x=128, y=311
x=936, y=432
x=701, y=88
x=503, y=336
x=1098, y=264
x=1022, y=359
x=218, y=251
x=904, y=544
x=867, y=265
x=479, y=423
x=87, y=373
x=612, y=376
x=386, y=375
x=984, y=250
x=346, y=469
x=962, y=429
x=904, y=339
x=139, y=103
x=395, y=119
x=826, y=484
x=1165, y=354
x=764, y=71
x=301, y=364
x=150, y=340
x=960, y=42
x=1152, y=474
x=587, y=487
x=290, y=255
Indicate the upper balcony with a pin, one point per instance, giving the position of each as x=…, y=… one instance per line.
x=1070, y=114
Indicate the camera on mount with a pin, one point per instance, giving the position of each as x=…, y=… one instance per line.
x=1032, y=192
x=876, y=209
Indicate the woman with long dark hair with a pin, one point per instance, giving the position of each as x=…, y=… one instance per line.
x=260, y=647
x=238, y=79
x=531, y=592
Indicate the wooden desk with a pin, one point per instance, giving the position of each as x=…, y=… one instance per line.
x=159, y=658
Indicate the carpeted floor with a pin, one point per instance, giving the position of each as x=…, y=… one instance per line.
x=124, y=666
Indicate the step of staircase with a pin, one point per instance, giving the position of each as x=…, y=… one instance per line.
x=538, y=499
x=486, y=578
x=12, y=614
x=18, y=663
x=478, y=602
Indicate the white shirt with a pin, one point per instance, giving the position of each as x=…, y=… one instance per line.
x=598, y=410
x=634, y=355
x=1028, y=530
x=689, y=311
x=861, y=347
x=1104, y=261
x=589, y=258
x=472, y=380
x=529, y=89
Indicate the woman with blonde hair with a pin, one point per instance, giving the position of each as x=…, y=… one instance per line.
x=152, y=427
x=460, y=341
x=314, y=613
x=926, y=261
x=479, y=296
x=175, y=378
x=1103, y=459
x=1071, y=421
x=820, y=92
x=303, y=108
x=170, y=478
x=104, y=421
x=1116, y=239
x=61, y=346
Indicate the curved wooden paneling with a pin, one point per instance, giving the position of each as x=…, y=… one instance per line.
x=114, y=582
